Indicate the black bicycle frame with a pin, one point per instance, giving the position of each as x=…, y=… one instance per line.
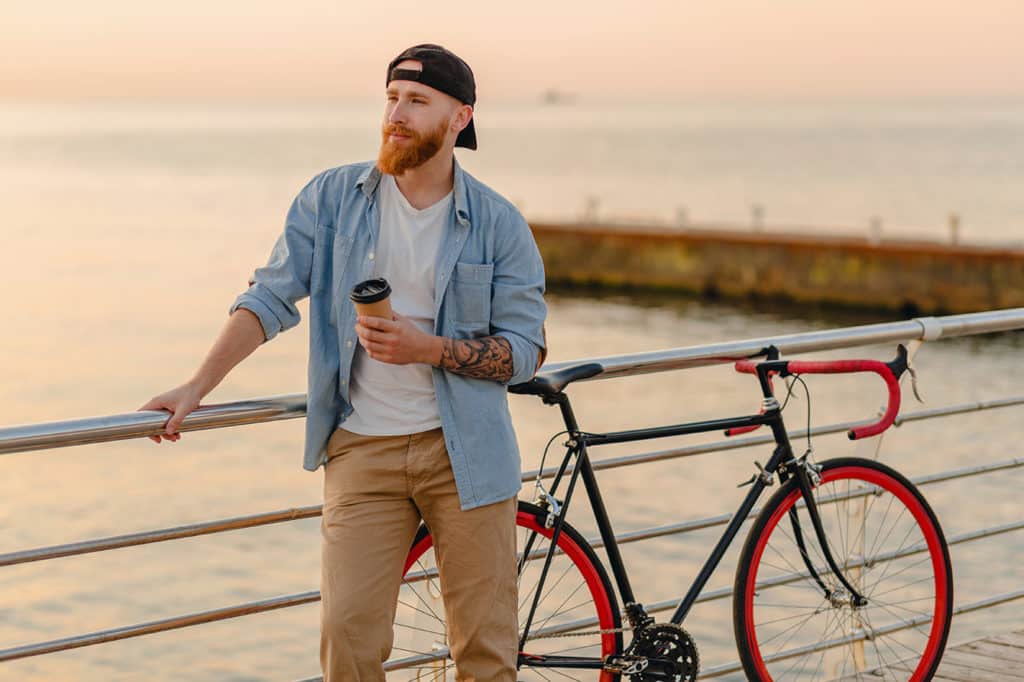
x=781, y=462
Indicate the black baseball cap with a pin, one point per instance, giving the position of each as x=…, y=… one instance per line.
x=444, y=71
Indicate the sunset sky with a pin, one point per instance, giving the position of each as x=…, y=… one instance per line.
x=664, y=49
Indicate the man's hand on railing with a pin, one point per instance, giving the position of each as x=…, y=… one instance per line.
x=241, y=335
x=179, y=402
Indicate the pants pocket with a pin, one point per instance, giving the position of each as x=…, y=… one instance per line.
x=340, y=442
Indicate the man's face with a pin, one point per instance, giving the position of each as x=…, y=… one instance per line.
x=417, y=124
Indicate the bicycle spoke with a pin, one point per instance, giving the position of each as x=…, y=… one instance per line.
x=883, y=664
x=528, y=595
x=889, y=564
x=558, y=610
x=926, y=579
x=413, y=627
x=411, y=607
x=888, y=606
x=559, y=672
x=551, y=587
x=826, y=634
x=535, y=670
x=775, y=621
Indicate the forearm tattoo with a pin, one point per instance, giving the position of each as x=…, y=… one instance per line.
x=486, y=358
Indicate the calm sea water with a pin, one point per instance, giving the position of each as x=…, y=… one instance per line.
x=128, y=230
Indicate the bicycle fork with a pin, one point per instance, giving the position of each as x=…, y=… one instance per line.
x=805, y=470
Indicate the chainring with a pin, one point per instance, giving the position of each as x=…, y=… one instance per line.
x=671, y=654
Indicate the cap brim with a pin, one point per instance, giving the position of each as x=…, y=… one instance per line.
x=467, y=138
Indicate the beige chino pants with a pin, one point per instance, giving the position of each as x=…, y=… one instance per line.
x=376, y=490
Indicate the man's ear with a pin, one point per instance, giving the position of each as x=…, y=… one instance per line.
x=463, y=115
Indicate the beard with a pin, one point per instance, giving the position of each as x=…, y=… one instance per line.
x=397, y=157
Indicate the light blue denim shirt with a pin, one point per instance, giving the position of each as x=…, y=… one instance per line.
x=489, y=281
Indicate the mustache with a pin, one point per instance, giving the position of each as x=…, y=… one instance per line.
x=396, y=129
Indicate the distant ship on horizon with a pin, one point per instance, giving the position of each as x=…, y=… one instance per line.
x=554, y=97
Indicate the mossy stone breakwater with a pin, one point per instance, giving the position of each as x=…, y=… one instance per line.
x=909, y=276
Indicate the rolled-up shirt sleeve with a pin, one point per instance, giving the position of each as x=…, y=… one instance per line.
x=275, y=288
x=517, y=298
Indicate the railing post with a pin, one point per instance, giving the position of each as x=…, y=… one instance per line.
x=875, y=230
x=757, y=217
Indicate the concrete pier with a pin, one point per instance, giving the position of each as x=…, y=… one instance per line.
x=907, y=276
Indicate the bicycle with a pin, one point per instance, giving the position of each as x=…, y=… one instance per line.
x=866, y=593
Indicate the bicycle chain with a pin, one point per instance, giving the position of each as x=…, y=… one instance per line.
x=609, y=631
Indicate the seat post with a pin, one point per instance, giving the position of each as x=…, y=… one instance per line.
x=562, y=400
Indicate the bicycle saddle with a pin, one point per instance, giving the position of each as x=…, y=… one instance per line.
x=550, y=384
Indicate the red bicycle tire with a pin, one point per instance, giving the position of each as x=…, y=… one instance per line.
x=748, y=576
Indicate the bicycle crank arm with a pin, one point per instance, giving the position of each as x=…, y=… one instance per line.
x=626, y=664
x=574, y=662
x=651, y=666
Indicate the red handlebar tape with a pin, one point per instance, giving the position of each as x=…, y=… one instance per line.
x=845, y=367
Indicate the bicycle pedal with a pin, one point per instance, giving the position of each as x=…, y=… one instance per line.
x=626, y=665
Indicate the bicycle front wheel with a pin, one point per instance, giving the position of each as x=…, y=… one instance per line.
x=793, y=618
x=577, y=617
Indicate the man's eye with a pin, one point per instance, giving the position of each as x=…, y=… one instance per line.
x=419, y=101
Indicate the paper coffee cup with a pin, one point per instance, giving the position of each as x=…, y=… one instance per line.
x=372, y=297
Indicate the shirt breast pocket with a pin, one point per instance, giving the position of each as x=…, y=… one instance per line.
x=471, y=291
x=329, y=250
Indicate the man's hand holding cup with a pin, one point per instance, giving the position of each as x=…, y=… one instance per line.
x=386, y=335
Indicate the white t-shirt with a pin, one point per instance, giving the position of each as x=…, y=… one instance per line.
x=389, y=399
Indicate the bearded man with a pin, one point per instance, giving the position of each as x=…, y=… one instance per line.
x=408, y=415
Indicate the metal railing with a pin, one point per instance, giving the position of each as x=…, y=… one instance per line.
x=141, y=424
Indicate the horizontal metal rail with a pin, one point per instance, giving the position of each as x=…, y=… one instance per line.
x=154, y=626
x=312, y=511
x=161, y=535
x=924, y=329
x=131, y=425
x=312, y=596
x=139, y=424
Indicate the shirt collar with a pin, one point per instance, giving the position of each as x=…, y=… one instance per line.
x=369, y=181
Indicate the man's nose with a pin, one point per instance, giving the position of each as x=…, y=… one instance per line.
x=397, y=114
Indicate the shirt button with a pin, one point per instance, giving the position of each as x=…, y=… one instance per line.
x=371, y=255
x=348, y=344
x=344, y=381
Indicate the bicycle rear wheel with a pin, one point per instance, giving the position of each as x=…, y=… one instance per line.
x=576, y=597
x=890, y=547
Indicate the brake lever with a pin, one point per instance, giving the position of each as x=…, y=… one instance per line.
x=913, y=383
x=902, y=364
